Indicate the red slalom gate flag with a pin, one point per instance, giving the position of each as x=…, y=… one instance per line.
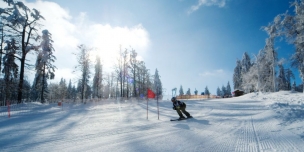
x=151, y=94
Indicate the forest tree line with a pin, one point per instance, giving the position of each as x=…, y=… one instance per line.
x=267, y=73
x=20, y=35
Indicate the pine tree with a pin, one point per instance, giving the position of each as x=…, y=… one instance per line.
x=265, y=71
x=245, y=63
x=97, y=80
x=271, y=54
x=282, y=81
x=44, y=64
x=250, y=79
x=69, y=90
x=228, y=91
x=84, y=65
x=23, y=23
x=157, y=84
x=188, y=92
x=237, y=75
x=181, y=91
x=10, y=69
x=289, y=74
x=74, y=93
x=291, y=26
x=207, y=91
x=62, y=89
x=34, y=92
x=293, y=88
x=134, y=70
x=223, y=91
x=88, y=92
x=1, y=39
x=218, y=91
x=195, y=91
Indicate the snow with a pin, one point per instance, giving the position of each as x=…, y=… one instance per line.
x=253, y=122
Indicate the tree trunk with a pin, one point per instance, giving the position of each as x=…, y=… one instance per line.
x=134, y=84
x=82, y=87
x=121, y=86
x=20, y=88
x=42, y=89
x=1, y=48
x=23, y=46
x=273, y=72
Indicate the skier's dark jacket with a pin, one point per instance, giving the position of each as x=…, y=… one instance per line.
x=178, y=103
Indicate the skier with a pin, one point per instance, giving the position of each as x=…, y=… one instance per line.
x=180, y=107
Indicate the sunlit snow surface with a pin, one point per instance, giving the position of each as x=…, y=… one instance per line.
x=253, y=122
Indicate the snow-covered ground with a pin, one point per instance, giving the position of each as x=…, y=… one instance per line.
x=253, y=122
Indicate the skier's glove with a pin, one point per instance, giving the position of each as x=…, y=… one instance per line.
x=174, y=108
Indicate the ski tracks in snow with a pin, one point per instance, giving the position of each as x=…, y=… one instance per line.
x=218, y=125
x=242, y=130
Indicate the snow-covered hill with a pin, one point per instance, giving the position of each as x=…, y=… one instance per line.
x=253, y=122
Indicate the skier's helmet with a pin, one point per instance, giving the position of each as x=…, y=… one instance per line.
x=173, y=99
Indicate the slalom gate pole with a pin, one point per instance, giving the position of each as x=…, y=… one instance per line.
x=157, y=107
x=147, y=108
x=8, y=109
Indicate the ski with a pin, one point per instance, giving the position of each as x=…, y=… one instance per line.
x=180, y=119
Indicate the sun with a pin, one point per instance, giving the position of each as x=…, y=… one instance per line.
x=108, y=57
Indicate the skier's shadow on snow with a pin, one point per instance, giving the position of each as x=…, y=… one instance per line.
x=186, y=126
x=204, y=122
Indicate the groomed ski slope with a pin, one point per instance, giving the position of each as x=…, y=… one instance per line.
x=251, y=123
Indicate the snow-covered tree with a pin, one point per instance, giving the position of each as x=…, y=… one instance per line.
x=63, y=89
x=5, y=32
x=250, y=79
x=291, y=26
x=245, y=63
x=157, y=84
x=84, y=65
x=109, y=80
x=195, y=91
x=1, y=42
x=143, y=79
x=237, y=75
x=207, y=91
x=264, y=71
x=69, y=90
x=45, y=69
x=181, y=91
x=10, y=69
x=88, y=92
x=218, y=91
x=188, y=92
x=97, y=80
x=34, y=94
x=228, y=89
x=271, y=54
x=293, y=88
x=74, y=93
x=281, y=80
x=223, y=91
x=289, y=75
x=54, y=94
x=134, y=70
x=23, y=23
x=122, y=69
x=125, y=73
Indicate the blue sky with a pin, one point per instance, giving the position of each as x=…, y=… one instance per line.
x=193, y=43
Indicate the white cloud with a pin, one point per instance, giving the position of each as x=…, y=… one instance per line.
x=219, y=3
x=68, y=32
x=216, y=78
x=212, y=73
